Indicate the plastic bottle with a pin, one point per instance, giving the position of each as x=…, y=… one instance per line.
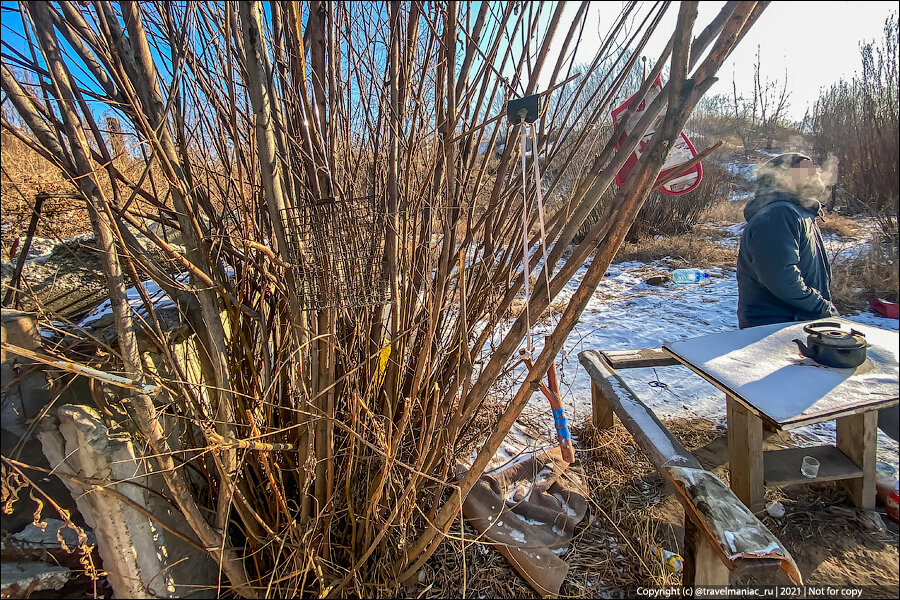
x=688, y=275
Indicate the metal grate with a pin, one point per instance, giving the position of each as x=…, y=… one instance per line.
x=337, y=248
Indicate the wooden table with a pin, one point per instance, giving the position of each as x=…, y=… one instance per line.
x=765, y=378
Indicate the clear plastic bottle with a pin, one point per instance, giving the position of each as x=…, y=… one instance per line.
x=688, y=275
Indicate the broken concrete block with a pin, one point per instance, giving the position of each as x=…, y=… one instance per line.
x=34, y=544
x=19, y=329
x=25, y=393
x=142, y=558
x=21, y=579
x=45, y=539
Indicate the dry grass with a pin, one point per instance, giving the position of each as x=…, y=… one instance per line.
x=25, y=174
x=855, y=279
x=518, y=305
x=725, y=213
x=700, y=247
x=611, y=556
x=839, y=225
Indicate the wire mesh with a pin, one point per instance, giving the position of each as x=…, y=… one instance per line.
x=337, y=248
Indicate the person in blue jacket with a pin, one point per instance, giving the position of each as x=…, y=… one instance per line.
x=783, y=272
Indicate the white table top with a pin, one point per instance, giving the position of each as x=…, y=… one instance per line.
x=762, y=367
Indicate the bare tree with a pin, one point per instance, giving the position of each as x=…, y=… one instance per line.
x=302, y=153
x=757, y=120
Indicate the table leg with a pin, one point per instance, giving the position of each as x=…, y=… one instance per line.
x=745, y=455
x=857, y=438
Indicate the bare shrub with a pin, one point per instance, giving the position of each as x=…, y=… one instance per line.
x=872, y=273
x=856, y=122
x=329, y=436
x=673, y=215
x=728, y=212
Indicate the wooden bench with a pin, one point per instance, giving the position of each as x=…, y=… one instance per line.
x=721, y=535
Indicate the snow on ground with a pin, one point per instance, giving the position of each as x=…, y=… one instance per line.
x=747, y=171
x=102, y=315
x=628, y=314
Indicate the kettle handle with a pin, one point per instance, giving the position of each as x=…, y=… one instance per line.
x=812, y=328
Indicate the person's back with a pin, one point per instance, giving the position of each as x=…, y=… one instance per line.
x=783, y=272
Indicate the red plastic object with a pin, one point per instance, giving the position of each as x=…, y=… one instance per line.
x=682, y=151
x=891, y=506
x=884, y=308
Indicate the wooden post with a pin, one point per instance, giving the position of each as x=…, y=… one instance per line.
x=702, y=565
x=856, y=437
x=745, y=456
x=601, y=409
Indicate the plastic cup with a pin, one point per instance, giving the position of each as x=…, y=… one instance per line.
x=810, y=467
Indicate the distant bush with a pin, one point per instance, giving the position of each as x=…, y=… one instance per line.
x=856, y=122
x=858, y=277
x=672, y=215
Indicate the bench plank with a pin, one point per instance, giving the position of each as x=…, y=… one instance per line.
x=634, y=359
x=733, y=533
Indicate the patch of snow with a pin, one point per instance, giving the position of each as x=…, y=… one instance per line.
x=570, y=512
x=626, y=314
x=772, y=547
x=517, y=535
x=729, y=537
x=40, y=247
x=103, y=314
x=746, y=171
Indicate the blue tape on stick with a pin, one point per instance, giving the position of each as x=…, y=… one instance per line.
x=563, y=433
x=559, y=419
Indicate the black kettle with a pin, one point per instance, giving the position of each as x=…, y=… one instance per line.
x=828, y=344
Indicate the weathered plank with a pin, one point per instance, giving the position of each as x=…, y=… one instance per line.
x=732, y=533
x=634, y=359
x=661, y=448
x=745, y=455
x=701, y=561
x=856, y=438
x=782, y=467
x=602, y=413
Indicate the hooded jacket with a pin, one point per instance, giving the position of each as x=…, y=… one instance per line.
x=782, y=271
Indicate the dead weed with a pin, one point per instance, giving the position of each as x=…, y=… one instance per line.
x=872, y=273
x=839, y=225
x=725, y=213
x=699, y=247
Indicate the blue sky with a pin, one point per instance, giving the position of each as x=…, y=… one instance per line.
x=815, y=43
x=812, y=45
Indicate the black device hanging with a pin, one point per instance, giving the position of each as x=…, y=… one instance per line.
x=515, y=107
